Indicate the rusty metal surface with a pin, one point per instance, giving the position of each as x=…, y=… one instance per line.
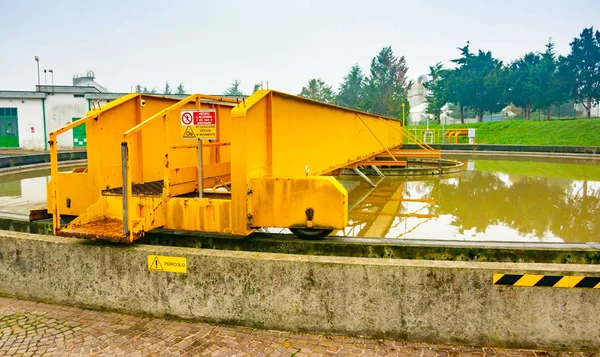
x=38, y=214
x=106, y=229
x=153, y=188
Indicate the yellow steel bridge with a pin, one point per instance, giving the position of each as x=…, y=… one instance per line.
x=271, y=165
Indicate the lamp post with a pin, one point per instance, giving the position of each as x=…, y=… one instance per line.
x=37, y=60
x=403, y=120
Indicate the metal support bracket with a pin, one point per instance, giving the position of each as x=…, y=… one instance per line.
x=364, y=177
x=377, y=171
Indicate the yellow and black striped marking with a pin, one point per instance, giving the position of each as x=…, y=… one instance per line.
x=552, y=281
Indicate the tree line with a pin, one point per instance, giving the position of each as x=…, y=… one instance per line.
x=535, y=81
x=383, y=91
x=168, y=89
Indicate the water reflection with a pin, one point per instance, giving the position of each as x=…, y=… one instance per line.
x=21, y=192
x=496, y=201
x=520, y=199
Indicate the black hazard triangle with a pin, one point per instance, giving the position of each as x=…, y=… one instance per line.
x=189, y=133
x=156, y=264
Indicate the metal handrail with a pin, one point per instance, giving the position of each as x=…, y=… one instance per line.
x=52, y=141
x=125, y=147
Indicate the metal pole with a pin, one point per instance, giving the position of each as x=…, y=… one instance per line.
x=364, y=177
x=37, y=60
x=377, y=171
x=200, y=177
x=125, y=187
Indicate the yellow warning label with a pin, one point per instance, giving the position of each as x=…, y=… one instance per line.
x=167, y=264
x=206, y=132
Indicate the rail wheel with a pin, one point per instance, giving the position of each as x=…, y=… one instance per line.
x=310, y=234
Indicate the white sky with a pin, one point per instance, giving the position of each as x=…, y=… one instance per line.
x=208, y=44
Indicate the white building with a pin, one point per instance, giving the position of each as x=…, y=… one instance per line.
x=27, y=117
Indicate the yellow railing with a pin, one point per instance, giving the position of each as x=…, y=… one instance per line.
x=440, y=136
x=164, y=115
x=52, y=140
x=411, y=137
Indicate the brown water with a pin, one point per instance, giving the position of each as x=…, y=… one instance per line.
x=21, y=192
x=495, y=199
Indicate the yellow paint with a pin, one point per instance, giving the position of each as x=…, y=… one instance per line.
x=280, y=145
x=568, y=281
x=167, y=264
x=282, y=202
x=528, y=280
x=496, y=277
x=277, y=135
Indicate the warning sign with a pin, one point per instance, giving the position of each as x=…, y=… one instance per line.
x=189, y=133
x=167, y=264
x=199, y=124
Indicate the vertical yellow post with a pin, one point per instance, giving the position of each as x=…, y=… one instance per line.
x=239, y=185
x=139, y=173
x=54, y=174
x=200, y=163
x=270, y=133
x=166, y=172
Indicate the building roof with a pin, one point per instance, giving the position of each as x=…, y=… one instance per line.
x=18, y=94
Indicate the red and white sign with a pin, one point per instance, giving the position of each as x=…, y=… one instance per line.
x=199, y=124
x=199, y=117
x=205, y=117
x=186, y=118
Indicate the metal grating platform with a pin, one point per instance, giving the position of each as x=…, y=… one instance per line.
x=153, y=188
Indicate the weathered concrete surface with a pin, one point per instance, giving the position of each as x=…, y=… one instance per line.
x=40, y=329
x=438, y=301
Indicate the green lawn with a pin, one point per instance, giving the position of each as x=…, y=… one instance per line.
x=578, y=132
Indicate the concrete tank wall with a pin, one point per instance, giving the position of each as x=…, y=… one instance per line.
x=424, y=300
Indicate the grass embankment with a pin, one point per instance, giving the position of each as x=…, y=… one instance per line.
x=578, y=132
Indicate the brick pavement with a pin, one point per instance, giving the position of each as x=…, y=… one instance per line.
x=29, y=328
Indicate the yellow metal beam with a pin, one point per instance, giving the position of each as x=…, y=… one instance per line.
x=280, y=135
x=284, y=202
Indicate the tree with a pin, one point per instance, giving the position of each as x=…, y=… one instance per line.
x=436, y=91
x=481, y=82
x=257, y=86
x=385, y=90
x=144, y=89
x=316, y=89
x=351, y=90
x=549, y=88
x=521, y=83
x=581, y=69
x=180, y=89
x=234, y=89
x=168, y=89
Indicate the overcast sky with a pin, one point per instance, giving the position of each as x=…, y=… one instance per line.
x=208, y=44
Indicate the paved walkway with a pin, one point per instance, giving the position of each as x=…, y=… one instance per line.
x=29, y=328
